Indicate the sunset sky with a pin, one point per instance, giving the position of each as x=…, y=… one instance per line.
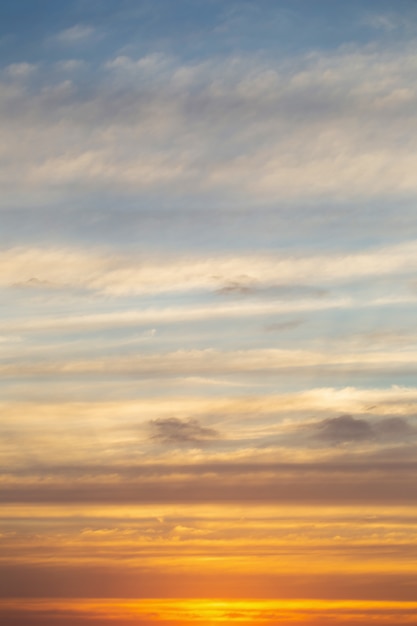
x=208, y=274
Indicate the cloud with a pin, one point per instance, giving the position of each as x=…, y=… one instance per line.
x=348, y=429
x=250, y=286
x=34, y=283
x=242, y=285
x=21, y=70
x=343, y=429
x=173, y=430
x=75, y=34
x=390, y=22
x=284, y=325
x=395, y=428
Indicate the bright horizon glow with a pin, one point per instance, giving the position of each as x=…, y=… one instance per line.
x=216, y=611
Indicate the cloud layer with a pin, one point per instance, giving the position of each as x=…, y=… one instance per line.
x=317, y=125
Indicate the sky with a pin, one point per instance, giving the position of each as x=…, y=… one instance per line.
x=208, y=257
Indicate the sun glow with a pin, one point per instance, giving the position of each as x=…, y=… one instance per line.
x=185, y=612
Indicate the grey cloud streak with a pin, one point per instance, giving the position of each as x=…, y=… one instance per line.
x=284, y=325
x=326, y=483
x=19, y=581
x=251, y=286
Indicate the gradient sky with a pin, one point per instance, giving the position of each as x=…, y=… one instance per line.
x=208, y=257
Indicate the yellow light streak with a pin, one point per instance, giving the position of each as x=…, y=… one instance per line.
x=212, y=611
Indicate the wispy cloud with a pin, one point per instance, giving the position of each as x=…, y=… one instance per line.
x=218, y=362
x=75, y=34
x=322, y=125
x=390, y=21
x=285, y=276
